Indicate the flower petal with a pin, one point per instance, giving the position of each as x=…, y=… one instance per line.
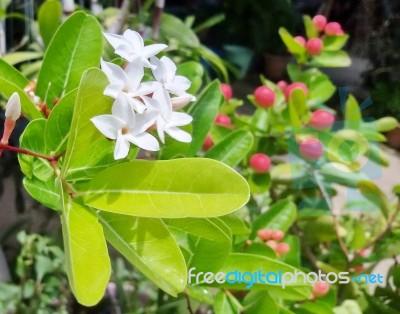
x=115, y=74
x=122, y=110
x=158, y=70
x=152, y=50
x=145, y=141
x=135, y=40
x=179, y=119
x=13, y=107
x=135, y=72
x=136, y=105
x=108, y=125
x=114, y=40
x=181, y=101
x=179, y=135
x=121, y=149
x=169, y=68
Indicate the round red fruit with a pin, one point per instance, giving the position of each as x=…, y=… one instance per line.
x=319, y=22
x=264, y=234
x=226, y=90
x=321, y=119
x=223, y=119
x=311, y=149
x=314, y=46
x=282, y=85
x=333, y=29
x=264, y=96
x=293, y=86
x=320, y=289
x=301, y=40
x=260, y=163
x=282, y=248
x=272, y=244
x=208, y=143
x=277, y=235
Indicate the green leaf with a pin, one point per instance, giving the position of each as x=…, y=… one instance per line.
x=260, y=302
x=233, y=148
x=59, y=123
x=249, y=263
x=293, y=46
x=334, y=43
x=375, y=195
x=33, y=140
x=237, y=225
x=206, y=241
x=359, y=239
x=341, y=174
x=298, y=104
x=192, y=187
x=12, y=75
x=149, y=246
x=321, y=88
x=331, y=59
x=223, y=304
x=215, y=61
x=76, y=46
x=352, y=115
x=172, y=28
x=88, y=151
x=21, y=56
x=386, y=124
x=204, y=111
x=287, y=172
x=348, y=307
x=259, y=182
x=45, y=192
x=87, y=261
x=311, y=30
x=377, y=155
x=315, y=307
x=280, y=216
x=173, y=148
x=49, y=18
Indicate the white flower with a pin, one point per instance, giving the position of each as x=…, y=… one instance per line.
x=125, y=126
x=168, y=121
x=128, y=83
x=165, y=73
x=13, y=107
x=130, y=46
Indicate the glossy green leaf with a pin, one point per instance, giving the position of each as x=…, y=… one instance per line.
x=359, y=239
x=353, y=118
x=339, y=173
x=232, y=149
x=149, y=246
x=76, y=46
x=292, y=45
x=250, y=263
x=21, y=56
x=376, y=154
x=204, y=111
x=223, y=304
x=237, y=225
x=207, y=242
x=331, y=59
x=321, y=88
x=88, y=151
x=49, y=18
x=386, y=124
x=260, y=249
x=280, y=216
x=172, y=28
x=12, y=75
x=334, y=43
x=315, y=307
x=87, y=261
x=260, y=302
x=194, y=71
x=45, y=192
x=311, y=30
x=287, y=172
x=174, y=149
x=215, y=61
x=259, y=182
x=178, y=188
x=375, y=195
x=59, y=123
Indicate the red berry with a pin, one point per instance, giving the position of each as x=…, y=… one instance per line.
x=333, y=29
x=282, y=248
x=301, y=40
x=264, y=96
x=272, y=244
x=319, y=22
x=282, y=85
x=311, y=149
x=293, y=86
x=277, y=235
x=320, y=289
x=55, y=101
x=226, y=90
x=314, y=46
x=264, y=234
x=363, y=253
x=208, y=142
x=359, y=268
x=260, y=163
x=321, y=119
x=223, y=119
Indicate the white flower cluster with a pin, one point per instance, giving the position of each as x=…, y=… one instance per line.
x=140, y=105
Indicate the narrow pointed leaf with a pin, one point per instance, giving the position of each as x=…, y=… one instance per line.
x=49, y=18
x=179, y=188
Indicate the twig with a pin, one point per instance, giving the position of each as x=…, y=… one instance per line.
x=305, y=248
x=188, y=304
x=157, y=14
x=116, y=27
x=27, y=152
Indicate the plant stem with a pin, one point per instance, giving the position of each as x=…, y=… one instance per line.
x=27, y=152
x=119, y=22
x=188, y=305
x=157, y=14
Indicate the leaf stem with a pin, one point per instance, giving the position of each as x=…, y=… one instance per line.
x=188, y=304
x=28, y=152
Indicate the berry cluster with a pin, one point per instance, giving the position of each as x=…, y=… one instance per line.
x=272, y=238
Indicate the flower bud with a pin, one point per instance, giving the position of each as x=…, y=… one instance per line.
x=13, y=107
x=181, y=101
